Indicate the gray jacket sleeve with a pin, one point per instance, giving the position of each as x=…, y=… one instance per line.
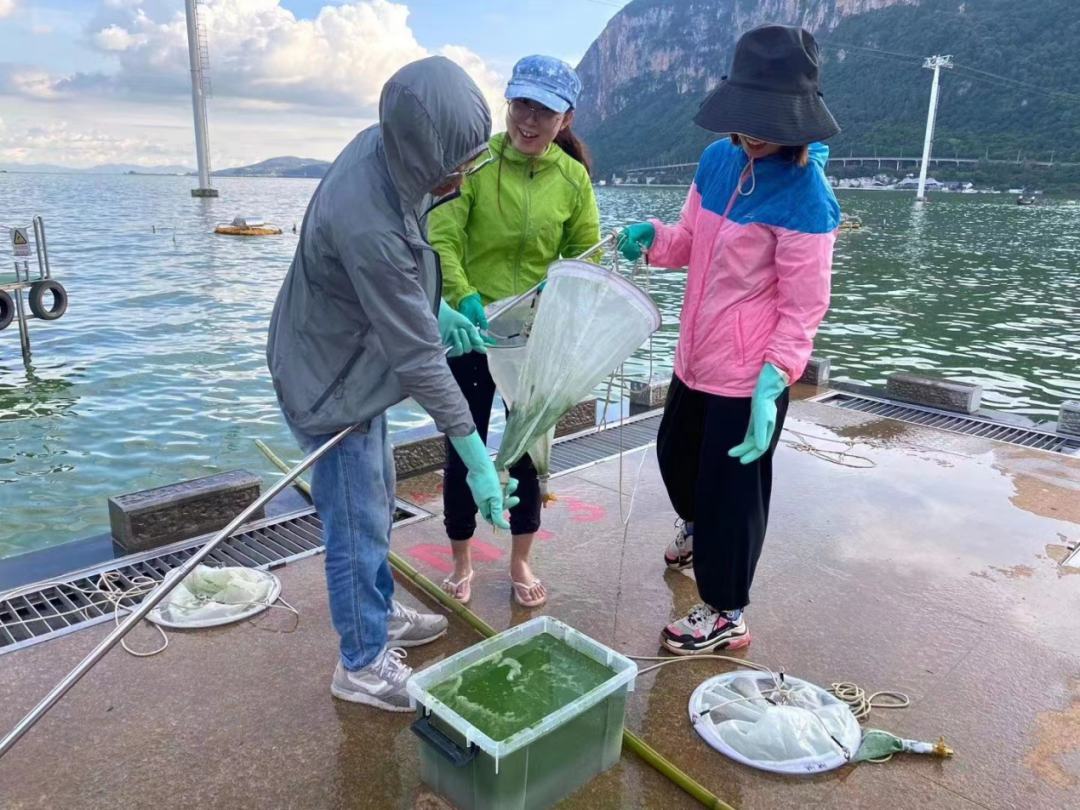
x=383, y=271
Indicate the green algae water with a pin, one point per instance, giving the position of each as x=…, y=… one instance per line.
x=515, y=689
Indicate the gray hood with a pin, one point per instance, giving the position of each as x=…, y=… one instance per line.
x=354, y=328
x=432, y=115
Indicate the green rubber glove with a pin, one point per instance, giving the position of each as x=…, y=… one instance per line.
x=633, y=238
x=759, y=434
x=472, y=307
x=458, y=332
x=483, y=480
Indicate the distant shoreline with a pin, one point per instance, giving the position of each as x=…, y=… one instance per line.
x=86, y=173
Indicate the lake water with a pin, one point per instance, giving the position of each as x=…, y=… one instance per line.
x=157, y=372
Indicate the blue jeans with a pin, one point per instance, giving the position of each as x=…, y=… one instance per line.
x=353, y=487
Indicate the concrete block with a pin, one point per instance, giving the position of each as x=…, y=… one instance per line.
x=1069, y=418
x=649, y=394
x=581, y=417
x=817, y=371
x=420, y=456
x=946, y=395
x=158, y=517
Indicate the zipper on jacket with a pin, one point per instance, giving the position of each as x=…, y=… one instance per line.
x=339, y=381
x=740, y=339
x=531, y=173
x=691, y=365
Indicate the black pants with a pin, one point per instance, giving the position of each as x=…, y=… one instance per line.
x=459, y=509
x=727, y=501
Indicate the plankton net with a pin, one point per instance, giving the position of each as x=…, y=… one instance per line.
x=787, y=725
x=548, y=358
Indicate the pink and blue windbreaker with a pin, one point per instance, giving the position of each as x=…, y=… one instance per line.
x=759, y=264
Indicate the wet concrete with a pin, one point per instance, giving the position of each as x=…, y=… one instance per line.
x=936, y=572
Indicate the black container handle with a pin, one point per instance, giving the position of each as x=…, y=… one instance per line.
x=454, y=753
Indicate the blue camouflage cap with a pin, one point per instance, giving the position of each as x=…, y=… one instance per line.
x=547, y=80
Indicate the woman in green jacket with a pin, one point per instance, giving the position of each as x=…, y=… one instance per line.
x=532, y=205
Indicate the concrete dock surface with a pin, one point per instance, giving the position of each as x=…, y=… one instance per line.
x=936, y=573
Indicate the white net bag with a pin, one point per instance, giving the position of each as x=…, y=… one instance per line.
x=209, y=597
x=776, y=723
x=588, y=322
x=509, y=326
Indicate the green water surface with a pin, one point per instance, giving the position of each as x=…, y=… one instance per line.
x=515, y=689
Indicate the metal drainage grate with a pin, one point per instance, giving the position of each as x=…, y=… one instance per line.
x=58, y=607
x=586, y=449
x=954, y=423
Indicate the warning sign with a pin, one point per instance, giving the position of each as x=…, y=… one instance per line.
x=20, y=242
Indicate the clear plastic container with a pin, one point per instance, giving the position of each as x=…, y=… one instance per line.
x=539, y=765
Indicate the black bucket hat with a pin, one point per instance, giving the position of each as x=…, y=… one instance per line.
x=772, y=93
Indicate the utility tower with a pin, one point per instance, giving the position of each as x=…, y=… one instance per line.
x=199, y=55
x=934, y=63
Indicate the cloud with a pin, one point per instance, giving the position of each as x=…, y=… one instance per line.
x=114, y=38
x=7, y=8
x=60, y=143
x=260, y=52
x=40, y=30
x=281, y=85
x=27, y=81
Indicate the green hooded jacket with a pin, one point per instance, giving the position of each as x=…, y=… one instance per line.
x=500, y=235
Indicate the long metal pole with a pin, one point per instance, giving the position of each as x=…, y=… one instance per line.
x=936, y=63
x=155, y=596
x=198, y=101
x=929, y=142
x=24, y=326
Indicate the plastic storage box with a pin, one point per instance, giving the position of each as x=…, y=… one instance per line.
x=539, y=765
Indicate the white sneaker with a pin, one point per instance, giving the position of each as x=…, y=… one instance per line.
x=680, y=552
x=381, y=683
x=410, y=628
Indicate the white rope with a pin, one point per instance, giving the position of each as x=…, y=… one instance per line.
x=861, y=704
x=852, y=694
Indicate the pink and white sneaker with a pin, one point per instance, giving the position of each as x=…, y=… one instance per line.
x=680, y=552
x=706, y=630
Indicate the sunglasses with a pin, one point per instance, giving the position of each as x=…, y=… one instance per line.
x=479, y=163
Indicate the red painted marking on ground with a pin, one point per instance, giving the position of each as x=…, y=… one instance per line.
x=544, y=534
x=485, y=552
x=440, y=557
x=582, y=512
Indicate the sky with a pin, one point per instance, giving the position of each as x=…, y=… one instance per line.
x=87, y=82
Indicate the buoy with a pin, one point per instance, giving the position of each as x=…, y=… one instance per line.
x=248, y=226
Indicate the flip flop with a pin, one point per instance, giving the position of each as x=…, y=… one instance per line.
x=462, y=589
x=521, y=593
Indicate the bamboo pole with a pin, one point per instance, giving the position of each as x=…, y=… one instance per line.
x=650, y=755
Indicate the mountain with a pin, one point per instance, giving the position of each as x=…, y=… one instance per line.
x=127, y=168
x=656, y=60
x=36, y=168
x=108, y=168
x=279, y=167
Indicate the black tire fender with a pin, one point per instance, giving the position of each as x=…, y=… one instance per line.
x=7, y=310
x=37, y=300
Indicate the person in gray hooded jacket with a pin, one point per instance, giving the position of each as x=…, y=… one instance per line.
x=358, y=326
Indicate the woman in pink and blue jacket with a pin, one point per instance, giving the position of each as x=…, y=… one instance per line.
x=757, y=235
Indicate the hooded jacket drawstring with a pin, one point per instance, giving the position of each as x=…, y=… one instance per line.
x=753, y=181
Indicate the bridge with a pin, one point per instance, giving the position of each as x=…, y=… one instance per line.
x=881, y=162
